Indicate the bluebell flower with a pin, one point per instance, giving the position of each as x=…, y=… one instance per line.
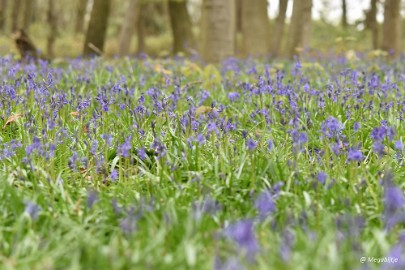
x=355, y=155
x=356, y=126
x=251, y=144
x=399, y=145
x=331, y=128
x=125, y=147
x=32, y=210
x=92, y=198
x=322, y=176
x=114, y=175
x=233, y=96
x=142, y=153
x=378, y=134
x=265, y=204
x=378, y=148
x=243, y=234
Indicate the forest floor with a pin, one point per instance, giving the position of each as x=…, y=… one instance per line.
x=169, y=164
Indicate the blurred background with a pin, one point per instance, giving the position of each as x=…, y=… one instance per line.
x=214, y=29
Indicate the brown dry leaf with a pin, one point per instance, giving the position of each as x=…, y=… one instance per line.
x=12, y=119
x=202, y=109
x=74, y=113
x=161, y=69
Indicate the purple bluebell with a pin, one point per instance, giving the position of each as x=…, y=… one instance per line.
x=142, y=153
x=32, y=210
x=92, y=198
x=394, y=202
x=355, y=155
x=114, y=175
x=242, y=232
x=378, y=148
x=379, y=133
x=200, y=139
x=233, y=96
x=331, y=128
x=265, y=204
x=356, y=126
x=322, y=177
x=125, y=147
x=107, y=138
x=399, y=145
x=270, y=145
x=251, y=144
x=207, y=206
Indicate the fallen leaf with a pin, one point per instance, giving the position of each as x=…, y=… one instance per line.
x=202, y=109
x=12, y=119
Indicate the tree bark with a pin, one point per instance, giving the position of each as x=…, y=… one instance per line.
x=3, y=14
x=300, y=28
x=255, y=27
x=128, y=28
x=180, y=22
x=15, y=15
x=218, y=30
x=52, y=24
x=373, y=24
x=392, y=27
x=140, y=27
x=97, y=30
x=344, y=14
x=80, y=13
x=28, y=13
x=279, y=27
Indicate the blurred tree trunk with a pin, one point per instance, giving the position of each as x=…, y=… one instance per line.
x=15, y=15
x=97, y=29
x=140, y=27
x=392, y=27
x=180, y=22
x=344, y=14
x=80, y=13
x=28, y=13
x=52, y=26
x=3, y=14
x=218, y=29
x=300, y=28
x=372, y=24
x=279, y=27
x=255, y=27
x=128, y=28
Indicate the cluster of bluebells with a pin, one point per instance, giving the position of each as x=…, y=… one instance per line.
x=169, y=126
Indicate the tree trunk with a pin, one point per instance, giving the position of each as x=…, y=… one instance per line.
x=373, y=24
x=140, y=27
x=128, y=28
x=28, y=13
x=3, y=14
x=15, y=15
x=344, y=14
x=255, y=27
x=300, y=28
x=52, y=26
x=279, y=27
x=80, y=13
x=97, y=30
x=180, y=22
x=392, y=27
x=218, y=29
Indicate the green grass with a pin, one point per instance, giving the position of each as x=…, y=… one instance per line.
x=148, y=217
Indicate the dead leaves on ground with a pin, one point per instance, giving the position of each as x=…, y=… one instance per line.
x=12, y=119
